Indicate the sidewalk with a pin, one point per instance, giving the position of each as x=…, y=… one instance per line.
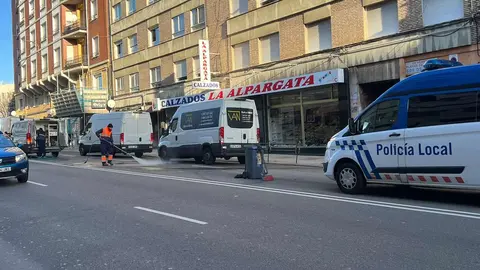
x=315, y=161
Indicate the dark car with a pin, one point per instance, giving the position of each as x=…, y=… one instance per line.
x=13, y=161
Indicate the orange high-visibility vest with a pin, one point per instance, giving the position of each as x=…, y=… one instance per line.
x=106, y=132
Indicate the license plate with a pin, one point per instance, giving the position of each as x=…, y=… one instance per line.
x=235, y=146
x=132, y=146
x=6, y=169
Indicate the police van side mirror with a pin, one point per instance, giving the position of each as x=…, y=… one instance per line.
x=352, y=127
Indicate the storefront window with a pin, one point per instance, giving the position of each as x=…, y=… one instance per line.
x=285, y=126
x=304, y=117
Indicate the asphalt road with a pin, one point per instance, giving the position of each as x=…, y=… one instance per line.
x=183, y=215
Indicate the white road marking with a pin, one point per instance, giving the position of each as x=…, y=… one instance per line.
x=346, y=199
x=171, y=215
x=38, y=184
x=66, y=155
x=207, y=167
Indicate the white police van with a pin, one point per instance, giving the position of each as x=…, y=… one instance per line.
x=424, y=131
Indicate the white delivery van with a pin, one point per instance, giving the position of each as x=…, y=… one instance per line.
x=132, y=132
x=209, y=130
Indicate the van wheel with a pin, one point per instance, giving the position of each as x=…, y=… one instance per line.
x=55, y=154
x=198, y=160
x=241, y=160
x=208, y=157
x=82, y=150
x=139, y=154
x=226, y=158
x=350, y=179
x=163, y=153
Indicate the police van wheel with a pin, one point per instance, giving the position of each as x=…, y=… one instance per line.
x=350, y=179
x=208, y=157
x=82, y=151
x=163, y=154
x=55, y=154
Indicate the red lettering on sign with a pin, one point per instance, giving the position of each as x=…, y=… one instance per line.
x=309, y=81
x=289, y=84
x=257, y=89
x=239, y=91
x=231, y=93
x=248, y=89
x=277, y=86
x=267, y=87
x=298, y=81
x=210, y=97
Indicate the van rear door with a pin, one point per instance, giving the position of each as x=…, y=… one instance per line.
x=137, y=129
x=240, y=122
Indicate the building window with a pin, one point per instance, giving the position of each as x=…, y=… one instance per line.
x=154, y=38
x=131, y=6
x=319, y=36
x=318, y=108
x=95, y=47
x=56, y=24
x=43, y=31
x=152, y=1
x=382, y=19
x=22, y=45
x=31, y=8
x=119, y=49
x=155, y=77
x=93, y=9
x=241, y=55
x=98, y=81
x=238, y=7
x=196, y=67
x=117, y=12
x=119, y=84
x=439, y=11
x=34, y=68
x=23, y=72
x=198, y=17
x=32, y=38
x=132, y=44
x=21, y=16
x=181, y=70
x=56, y=57
x=44, y=63
x=133, y=82
x=42, y=4
x=178, y=24
x=270, y=48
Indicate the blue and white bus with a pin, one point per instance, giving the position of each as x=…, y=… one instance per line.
x=424, y=131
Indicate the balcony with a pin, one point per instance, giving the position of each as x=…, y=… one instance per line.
x=71, y=2
x=76, y=63
x=75, y=30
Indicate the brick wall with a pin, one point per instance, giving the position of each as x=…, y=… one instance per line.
x=347, y=22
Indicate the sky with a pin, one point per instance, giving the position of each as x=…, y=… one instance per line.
x=6, y=55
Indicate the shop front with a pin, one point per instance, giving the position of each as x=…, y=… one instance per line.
x=300, y=112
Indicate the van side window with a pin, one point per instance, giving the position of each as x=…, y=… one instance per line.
x=380, y=117
x=173, y=125
x=239, y=117
x=434, y=110
x=200, y=119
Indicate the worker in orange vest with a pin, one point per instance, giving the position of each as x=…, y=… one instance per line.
x=106, y=144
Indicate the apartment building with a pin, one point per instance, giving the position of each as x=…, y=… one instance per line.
x=308, y=64
x=61, y=50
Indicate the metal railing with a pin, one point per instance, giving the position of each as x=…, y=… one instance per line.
x=74, y=26
x=76, y=62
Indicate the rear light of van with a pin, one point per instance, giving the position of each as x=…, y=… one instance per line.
x=29, y=138
x=122, y=138
x=221, y=133
x=152, y=137
x=258, y=135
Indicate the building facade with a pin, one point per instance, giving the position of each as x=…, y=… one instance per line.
x=61, y=57
x=353, y=49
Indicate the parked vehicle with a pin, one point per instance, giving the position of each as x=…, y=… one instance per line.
x=24, y=132
x=132, y=132
x=423, y=131
x=13, y=161
x=209, y=130
x=7, y=122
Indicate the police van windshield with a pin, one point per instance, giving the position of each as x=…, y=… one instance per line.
x=239, y=117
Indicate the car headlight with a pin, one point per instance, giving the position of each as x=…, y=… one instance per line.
x=20, y=157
